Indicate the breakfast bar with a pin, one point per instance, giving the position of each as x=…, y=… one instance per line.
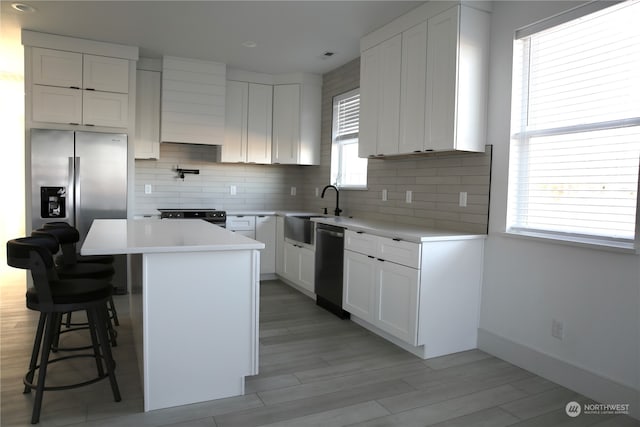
x=194, y=305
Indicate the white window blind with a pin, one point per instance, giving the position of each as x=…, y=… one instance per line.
x=347, y=169
x=575, y=121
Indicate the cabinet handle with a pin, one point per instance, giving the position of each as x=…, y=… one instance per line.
x=397, y=239
x=89, y=124
x=74, y=124
x=417, y=151
x=380, y=259
x=239, y=216
x=74, y=87
x=372, y=257
x=359, y=232
x=89, y=88
x=429, y=149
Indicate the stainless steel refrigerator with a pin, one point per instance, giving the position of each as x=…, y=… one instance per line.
x=77, y=177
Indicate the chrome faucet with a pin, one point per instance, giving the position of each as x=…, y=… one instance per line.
x=337, y=210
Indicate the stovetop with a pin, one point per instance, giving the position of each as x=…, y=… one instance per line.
x=198, y=213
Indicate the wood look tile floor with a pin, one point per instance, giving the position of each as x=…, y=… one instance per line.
x=315, y=370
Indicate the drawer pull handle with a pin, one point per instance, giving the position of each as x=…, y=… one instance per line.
x=397, y=239
x=369, y=256
x=359, y=232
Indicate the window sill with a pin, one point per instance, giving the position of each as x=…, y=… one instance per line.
x=581, y=242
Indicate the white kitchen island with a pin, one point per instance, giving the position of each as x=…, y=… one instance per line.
x=194, y=301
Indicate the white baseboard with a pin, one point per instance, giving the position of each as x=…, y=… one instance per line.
x=594, y=386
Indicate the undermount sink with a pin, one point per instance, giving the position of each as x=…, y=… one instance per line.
x=300, y=228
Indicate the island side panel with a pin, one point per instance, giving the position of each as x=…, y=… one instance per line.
x=135, y=309
x=199, y=325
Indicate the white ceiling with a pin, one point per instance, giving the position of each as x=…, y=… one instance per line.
x=291, y=36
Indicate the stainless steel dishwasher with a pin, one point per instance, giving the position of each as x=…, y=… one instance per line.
x=329, y=263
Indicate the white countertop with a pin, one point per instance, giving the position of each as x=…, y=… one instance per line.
x=397, y=231
x=133, y=236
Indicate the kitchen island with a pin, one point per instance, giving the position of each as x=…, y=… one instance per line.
x=194, y=304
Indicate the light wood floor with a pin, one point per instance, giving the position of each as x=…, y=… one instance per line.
x=315, y=370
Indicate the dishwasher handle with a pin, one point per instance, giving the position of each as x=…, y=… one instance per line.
x=339, y=234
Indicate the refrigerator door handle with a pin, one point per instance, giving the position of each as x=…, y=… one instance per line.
x=76, y=187
x=71, y=193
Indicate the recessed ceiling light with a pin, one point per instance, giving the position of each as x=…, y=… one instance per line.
x=22, y=7
x=249, y=43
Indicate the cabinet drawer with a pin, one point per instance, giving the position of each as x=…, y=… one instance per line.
x=361, y=242
x=399, y=251
x=241, y=222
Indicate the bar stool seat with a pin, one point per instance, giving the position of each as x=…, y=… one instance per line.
x=52, y=297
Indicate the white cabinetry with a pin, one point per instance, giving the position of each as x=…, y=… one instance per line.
x=147, y=136
x=440, y=76
x=380, y=98
x=296, y=123
x=193, y=101
x=79, y=89
x=422, y=296
x=266, y=233
x=261, y=228
x=247, y=137
x=299, y=265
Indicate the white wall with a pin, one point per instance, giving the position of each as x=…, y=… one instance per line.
x=596, y=294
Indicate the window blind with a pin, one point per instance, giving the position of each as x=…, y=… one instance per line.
x=347, y=115
x=575, y=148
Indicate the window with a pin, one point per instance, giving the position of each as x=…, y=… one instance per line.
x=575, y=127
x=347, y=169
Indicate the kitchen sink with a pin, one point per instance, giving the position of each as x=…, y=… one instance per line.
x=300, y=228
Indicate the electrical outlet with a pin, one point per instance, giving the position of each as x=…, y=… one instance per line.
x=557, y=329
x=233, y=190
x=384, y=195
x=463, y=199
x=409, y=196
x=147, y=189
x=293, y=191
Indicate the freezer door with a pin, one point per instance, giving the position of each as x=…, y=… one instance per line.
x=101, y=178
x=52, y=187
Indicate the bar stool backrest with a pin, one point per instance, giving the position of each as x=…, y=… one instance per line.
x=67, y=237
x=34, y=253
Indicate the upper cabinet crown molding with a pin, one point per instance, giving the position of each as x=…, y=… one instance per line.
x=72, y=44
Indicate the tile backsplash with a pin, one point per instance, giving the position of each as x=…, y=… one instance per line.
x=258, y=187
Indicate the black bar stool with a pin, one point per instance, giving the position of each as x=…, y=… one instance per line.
x=52, y=297
x=69, y=257
x=67, y=237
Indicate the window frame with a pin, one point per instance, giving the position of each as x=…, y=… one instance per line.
x=338, y=142
x=521, y=136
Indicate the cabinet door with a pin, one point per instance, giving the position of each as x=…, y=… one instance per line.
x=56, y=105
x=266, y=233
x=442, y=75
x=358, y=292
x=413, y=89
x=56, y=68
x=105, y=74
x=280, y=245
x=286, y=123
x=105, y=109
x=234, y=148
x=147, y=139
x=389, y=100
x=259, y=123
x=291, y=262
x=369, y=84
x=397, y=300
x=306, y=279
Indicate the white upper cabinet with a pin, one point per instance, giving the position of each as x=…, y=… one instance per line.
x=79, y=89
x=248, y=121
x=147, y=136
x=105, y=74
x=438, y=83
x=193, y=101
x=286, y=123
x=380, y=98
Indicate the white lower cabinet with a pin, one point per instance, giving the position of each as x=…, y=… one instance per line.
x=423, y=297
x=266, y=233
x=299, y=265
x=382, y=293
